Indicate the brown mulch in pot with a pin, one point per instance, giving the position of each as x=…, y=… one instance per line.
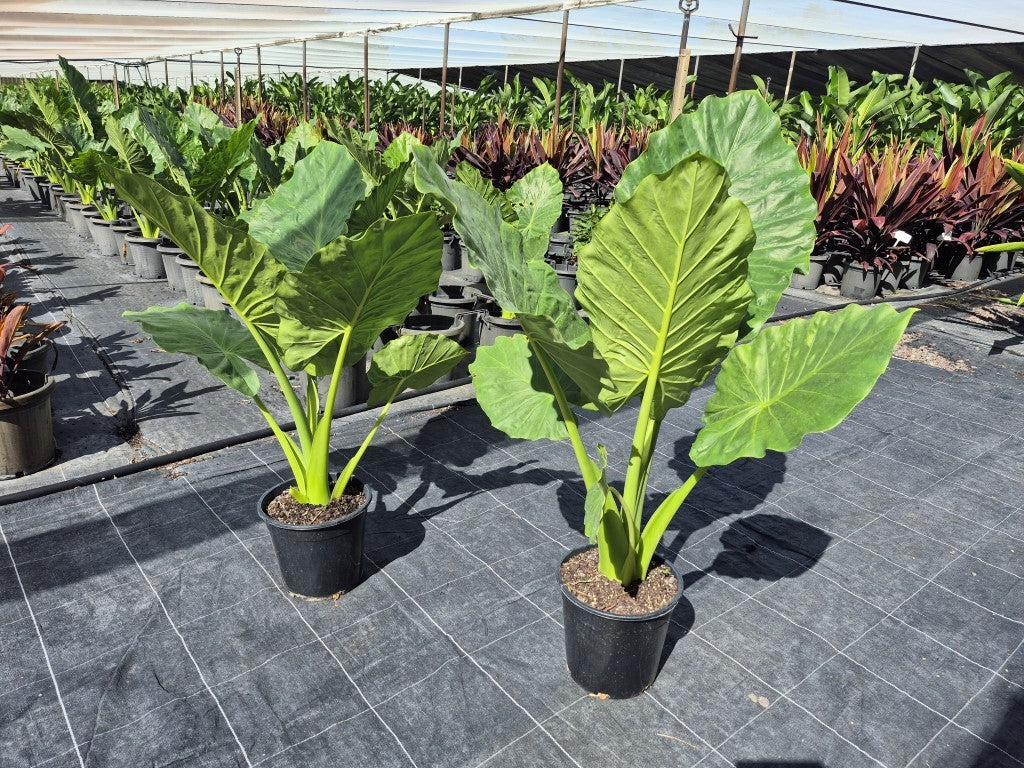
x=583, y=578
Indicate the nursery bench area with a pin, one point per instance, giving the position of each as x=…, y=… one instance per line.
x=841, y=605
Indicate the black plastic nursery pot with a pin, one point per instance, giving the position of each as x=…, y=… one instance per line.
x=26, y=426
x=812, y=279
x=860, y=282
x=998, y=263
x=143, y=255
x=451, y=255
x=610, y=654
x=44, y=195
x=319, y=561
x=37, y=359
x=495, y=326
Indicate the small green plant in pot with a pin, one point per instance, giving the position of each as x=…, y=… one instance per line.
x=677, y=280
x=311, y=297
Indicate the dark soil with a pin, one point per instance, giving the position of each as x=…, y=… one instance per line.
x=285, y=509
x=582, y=576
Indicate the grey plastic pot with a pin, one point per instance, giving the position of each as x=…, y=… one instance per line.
x=323, y=560
x=611, y=654
x=146, y=260
x=44, y=195
x=66, y=201
x=102, y=234
x=190, y=280
x=37, y=359
x=859, y=282
x=77, y=213
x=915, y=276
x=56, y=201
x=812, y=279
x=567, y=277
x=494, y=326
x=170, y=254
x=28, y=180
x=456, y=307
x=211, y=296
x=964, y=268
x=120, y=231
x=353, y=387
x=451, y=254
x=998, y=263
x=26, y=426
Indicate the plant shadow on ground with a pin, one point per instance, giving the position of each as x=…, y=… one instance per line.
x=759, y=546
x=431, y=476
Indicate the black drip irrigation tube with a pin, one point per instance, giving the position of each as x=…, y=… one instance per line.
x=155, y=462
x=899, y=299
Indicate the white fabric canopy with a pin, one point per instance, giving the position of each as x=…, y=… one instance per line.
x=407, y=34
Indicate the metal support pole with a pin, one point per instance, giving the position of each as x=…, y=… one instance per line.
x=191, y=73
x=913, y=62
x=682, y=60
x=223, y=84
x=366, y=83
x=559, y=77
x=117, y=94
x=127, y=75
x=738, y=53
x=238, y=87
x=444, y=77
x=618, y=84
x=305, y=85
x=789, y=77
x=505, y=81
x=167, y=75
x=259, y=74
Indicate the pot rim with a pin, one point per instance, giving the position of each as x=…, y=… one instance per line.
x=185, y=261
x=261, y=506
x=637, y=617
x=452, y=300
x=502, y=322
x=458, y=325
x=29, y=398
x=140, y=240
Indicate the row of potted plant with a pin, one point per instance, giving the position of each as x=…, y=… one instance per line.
x=890, y=213
x=675, y=283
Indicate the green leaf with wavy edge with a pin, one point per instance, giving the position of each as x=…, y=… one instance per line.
x=83, y=98
x=512, y=390
x=220, y=343
x=134, y=155
x=663, y=280
x=741, y=133
x=360, y=286
x=527, y=288
x=311, y=209
x=793, y=379
x=217, y=169
x=241, y=268
x=410, y=362
x=537, y=201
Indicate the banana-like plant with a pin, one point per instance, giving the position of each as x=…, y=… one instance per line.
x=312, y=295
x=677, y=281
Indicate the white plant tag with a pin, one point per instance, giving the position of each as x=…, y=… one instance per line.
x=901, y=237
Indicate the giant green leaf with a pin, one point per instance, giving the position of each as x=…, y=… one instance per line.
x=537, y=201
x=741, y=133
x=134, y=155
x=311, y=209
x=511, y=389
x=241, y=268
x=84, y=100
x=218, y=168
x=663, y=280
x=410, y=362
x=357, y=286
x=525, y=287
x=220, y=343
x=793, y=379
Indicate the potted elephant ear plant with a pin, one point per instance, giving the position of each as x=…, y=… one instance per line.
x=311, y=298
x=677, y=280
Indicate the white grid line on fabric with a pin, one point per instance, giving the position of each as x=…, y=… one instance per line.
x=181, y=637
x=42, y=645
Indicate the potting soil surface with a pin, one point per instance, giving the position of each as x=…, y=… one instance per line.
x=857, y=602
